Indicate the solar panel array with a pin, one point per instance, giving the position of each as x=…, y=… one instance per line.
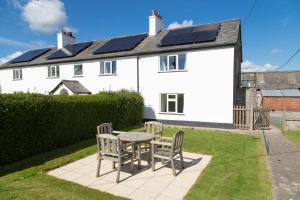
x=29, y=55
x=70, y=50
x=190, y=35
x=121, y=44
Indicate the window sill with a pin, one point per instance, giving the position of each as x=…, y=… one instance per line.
x=170, y=113
x=17, y=79
x=107, y=75
x=56, y=77
x=170, y=71
x=78, y=76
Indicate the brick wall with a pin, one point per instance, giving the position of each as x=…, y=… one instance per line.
x=278, y=103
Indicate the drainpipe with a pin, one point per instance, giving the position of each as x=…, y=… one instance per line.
x=138, y=73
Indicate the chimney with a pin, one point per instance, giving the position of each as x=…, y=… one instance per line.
x=156, y=23
x=64, y=38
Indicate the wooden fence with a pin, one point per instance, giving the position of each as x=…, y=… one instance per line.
x=250, y=118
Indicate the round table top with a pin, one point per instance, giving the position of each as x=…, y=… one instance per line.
x=136, y=136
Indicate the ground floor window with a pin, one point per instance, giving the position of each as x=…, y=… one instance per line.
x=17, y=74
x=171, y=103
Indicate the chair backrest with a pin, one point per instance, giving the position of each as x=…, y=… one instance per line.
x=153, y=127
x=105, y=128
x=177, y=141
x=108, y=144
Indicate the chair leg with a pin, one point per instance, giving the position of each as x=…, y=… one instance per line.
x=98, y=168
x=118, y=172
x=132, y=160
x=113, y=165
x=152, y=156
x=173, y=166
x=181, y=160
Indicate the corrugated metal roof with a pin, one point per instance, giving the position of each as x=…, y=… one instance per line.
x=272, y=93
x=291, y=93
x=281, y=93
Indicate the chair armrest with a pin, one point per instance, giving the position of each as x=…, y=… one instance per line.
x=160, y=143
x=166, y=138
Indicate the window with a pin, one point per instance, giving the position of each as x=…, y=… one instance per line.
x=171, y=103
x=53, y=71
x=172, y=62
x=17, y=74
x=77, y=70
x=108, y=68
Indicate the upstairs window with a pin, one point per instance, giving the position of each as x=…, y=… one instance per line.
x=78, y=70
x=108, y=68
x=53, y=71
x=17, y=74
x=172, y=63
x=171, y=103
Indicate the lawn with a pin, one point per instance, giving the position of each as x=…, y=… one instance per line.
x=292, y=136
x=236, y=171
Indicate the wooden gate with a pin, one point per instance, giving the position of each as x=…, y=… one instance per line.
x=250, y=118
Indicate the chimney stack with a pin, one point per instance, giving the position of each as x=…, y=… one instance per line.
x=64, y=38
x=156, y=23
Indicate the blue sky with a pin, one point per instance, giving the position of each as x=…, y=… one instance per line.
x=270, y=36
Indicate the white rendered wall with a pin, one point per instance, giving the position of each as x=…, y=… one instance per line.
x=35, y=78
x=207, y=86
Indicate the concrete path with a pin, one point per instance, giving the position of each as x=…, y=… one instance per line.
x=284, y=166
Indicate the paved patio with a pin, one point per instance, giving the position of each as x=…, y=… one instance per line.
x=143, y=184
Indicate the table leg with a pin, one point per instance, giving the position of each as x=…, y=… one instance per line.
x=139, y=155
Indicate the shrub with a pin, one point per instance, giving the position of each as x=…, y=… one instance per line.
x=32, y=123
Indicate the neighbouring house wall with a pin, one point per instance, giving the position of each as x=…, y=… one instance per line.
x=207, y=85
x=35, y=78
x=281, y=103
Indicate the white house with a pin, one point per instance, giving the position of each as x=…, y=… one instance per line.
x=187, y=76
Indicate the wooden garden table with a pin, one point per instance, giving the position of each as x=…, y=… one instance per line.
x=138, y=138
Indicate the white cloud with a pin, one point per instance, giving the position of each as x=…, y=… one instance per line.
x=185, y=23
x=276, y=51
x=44, y=16
x=14, y=43
x=70, y=29
x=10, y=57
x=248, y=66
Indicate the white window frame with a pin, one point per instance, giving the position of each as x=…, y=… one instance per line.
x=168, y=63
x=19, y=73
x=81, y=70
x=172, y=100
x=111, y=68
x=55, y=71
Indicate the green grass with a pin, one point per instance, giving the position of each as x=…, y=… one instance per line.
x=292, y=136
x=236, y=171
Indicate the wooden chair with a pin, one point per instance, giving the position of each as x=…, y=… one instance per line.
x=154, y=127
x=105, y=128
x=168, y=150
x=111, y=148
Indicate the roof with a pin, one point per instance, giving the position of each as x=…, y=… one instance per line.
x=281, y=93
x=272, y=80
x=74, y=86
x=228, y=35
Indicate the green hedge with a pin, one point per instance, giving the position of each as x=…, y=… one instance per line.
x=31, y=123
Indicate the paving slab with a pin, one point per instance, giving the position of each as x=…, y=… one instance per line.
x=284, y=166
x=143, y=183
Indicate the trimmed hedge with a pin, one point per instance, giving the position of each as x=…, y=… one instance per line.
x=32, y=123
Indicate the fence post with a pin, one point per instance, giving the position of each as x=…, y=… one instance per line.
x=251, y=118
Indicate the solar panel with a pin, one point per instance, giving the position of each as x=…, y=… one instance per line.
x=70, y=50
x=205, y=33
x=121, y=44
x=29, y=55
